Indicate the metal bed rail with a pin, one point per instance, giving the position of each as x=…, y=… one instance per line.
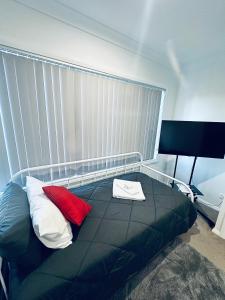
x=189, y=191
x=81, y=177
x=104, y=173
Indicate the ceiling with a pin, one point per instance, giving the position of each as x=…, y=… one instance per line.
x=184, y=30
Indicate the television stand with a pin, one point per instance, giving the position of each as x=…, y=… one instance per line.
x=195, y=190
x=185, y=191
x=192, y=170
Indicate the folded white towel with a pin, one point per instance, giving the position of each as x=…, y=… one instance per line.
x=125, y=189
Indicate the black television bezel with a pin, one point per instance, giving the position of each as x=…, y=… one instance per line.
x=219, y=155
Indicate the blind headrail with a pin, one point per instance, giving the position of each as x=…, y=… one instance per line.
x=64, y=64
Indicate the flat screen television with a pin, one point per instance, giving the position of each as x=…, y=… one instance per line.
x=191, y=138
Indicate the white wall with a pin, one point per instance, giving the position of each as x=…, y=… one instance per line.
x=27, y=29
x=202, y=98
x=201, y=94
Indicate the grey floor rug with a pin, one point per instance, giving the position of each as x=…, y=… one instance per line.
x=178, y=273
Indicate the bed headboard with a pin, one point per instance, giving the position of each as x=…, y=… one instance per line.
x=78, y=172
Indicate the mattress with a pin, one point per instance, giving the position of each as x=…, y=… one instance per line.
x=115, y=241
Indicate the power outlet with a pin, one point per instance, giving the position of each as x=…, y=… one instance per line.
x=221, y=196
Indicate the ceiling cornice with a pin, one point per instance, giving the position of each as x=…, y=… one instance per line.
x=69, y=16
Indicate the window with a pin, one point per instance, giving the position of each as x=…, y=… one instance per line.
x=52, y=112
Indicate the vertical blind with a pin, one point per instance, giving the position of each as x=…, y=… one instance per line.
x=51, y=114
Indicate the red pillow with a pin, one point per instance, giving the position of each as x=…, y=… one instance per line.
x=72, y=207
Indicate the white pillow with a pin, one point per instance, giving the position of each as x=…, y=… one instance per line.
x=50, y=226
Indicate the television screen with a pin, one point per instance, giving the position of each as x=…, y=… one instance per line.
x=190, y=138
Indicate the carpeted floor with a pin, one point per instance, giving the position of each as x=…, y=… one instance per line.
x=202, y=239
x=179, y=272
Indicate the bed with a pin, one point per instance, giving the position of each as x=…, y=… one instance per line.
x=115, y=241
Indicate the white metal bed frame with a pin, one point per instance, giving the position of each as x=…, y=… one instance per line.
x=2, y=281
x=79, y=180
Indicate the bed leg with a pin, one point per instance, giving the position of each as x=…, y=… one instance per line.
x=2, y=280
